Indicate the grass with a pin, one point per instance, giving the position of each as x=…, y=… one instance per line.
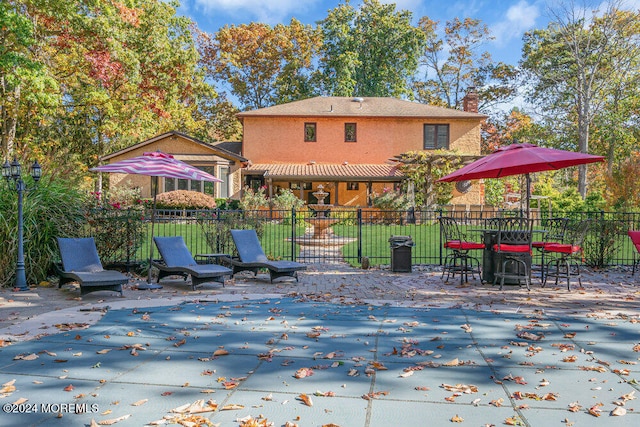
x=374, y=241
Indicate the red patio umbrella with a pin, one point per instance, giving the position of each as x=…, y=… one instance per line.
x=517, y=159
x=156, y=164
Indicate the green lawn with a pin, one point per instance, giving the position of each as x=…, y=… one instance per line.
x=374, y=241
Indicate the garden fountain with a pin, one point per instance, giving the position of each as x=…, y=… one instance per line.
x=321, y=223
x=321, y=243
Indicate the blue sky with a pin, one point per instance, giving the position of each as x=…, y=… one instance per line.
x=507, y=19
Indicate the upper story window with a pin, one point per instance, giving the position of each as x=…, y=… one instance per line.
x=350, y=134
x=436, y=137
x=309, y=132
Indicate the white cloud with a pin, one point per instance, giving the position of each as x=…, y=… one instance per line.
x=517, y=20
x=270, y=12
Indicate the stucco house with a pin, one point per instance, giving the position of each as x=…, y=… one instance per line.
x=348, y=145
x=221, y=160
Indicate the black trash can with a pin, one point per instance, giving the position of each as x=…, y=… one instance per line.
x=401, y=253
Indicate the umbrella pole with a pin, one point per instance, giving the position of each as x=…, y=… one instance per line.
x=154, y=190
x=528, y=204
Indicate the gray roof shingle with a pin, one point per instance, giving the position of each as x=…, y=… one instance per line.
x=334, y=106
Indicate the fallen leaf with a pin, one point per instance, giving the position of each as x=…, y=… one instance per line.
x=303, y=373
x=619, y=411
x=454, y=362
x=113, y=420
x=232, y=407
x=305, y=399
x=595, y=410
x=456, y=419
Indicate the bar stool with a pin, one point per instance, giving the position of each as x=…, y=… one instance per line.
x=513, y=251
x=568, y=254
x=555, y=229
x=458, y=259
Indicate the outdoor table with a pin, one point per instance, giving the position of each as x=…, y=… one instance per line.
x=211, y=258
x=490, y=259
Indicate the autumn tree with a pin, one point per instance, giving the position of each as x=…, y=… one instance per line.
x=456, y=61
x=511, y=127
x=573, y=66
x=123, y=71
x=371, y=51
x=24, y=77
x=622, y=186
x=262, y=65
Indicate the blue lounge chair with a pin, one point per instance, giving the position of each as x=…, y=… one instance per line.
x=251, y=257
x=81, y=263
x=177, y=260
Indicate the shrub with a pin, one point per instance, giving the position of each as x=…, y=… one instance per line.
x=118, y=232
x=183, y=199
x=51, y=210
x=602, y=242
x=228, y=204
x=285, y=199
x=390, y=200
x=253, y=199
x=217, y=227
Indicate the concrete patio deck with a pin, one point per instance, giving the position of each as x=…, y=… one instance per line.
x=360, y=347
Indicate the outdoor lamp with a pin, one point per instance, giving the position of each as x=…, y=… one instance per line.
x=36, y=171
x=13, y=172
x=6, y=170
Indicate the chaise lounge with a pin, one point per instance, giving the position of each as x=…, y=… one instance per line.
x=251, y=257
x=177, y=260
x=81, y=264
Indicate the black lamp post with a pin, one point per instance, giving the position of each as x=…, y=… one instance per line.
x=13, y=172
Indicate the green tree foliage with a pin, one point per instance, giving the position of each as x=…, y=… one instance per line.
x=455, y=62
x=371, y=51
x=102, y=75
x=423, y=169
x=263, y=65
x=26, y=85
x=575, y=65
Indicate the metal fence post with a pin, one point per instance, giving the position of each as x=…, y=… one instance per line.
x=293, y=233
x=359, y=218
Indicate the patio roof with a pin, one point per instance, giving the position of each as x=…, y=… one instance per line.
x=343, y=172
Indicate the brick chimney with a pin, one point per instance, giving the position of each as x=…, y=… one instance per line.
x=470, y=100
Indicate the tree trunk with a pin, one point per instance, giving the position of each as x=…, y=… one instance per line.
x=583, y=141
x=9, y=117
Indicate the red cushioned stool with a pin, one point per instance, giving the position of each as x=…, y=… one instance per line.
x=458, y=259
x=513, y=251
x=568, y=255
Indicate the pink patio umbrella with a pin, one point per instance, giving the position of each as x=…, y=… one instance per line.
x=156, y=164
x=517, y=159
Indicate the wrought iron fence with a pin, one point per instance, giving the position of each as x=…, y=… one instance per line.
x=341, y=235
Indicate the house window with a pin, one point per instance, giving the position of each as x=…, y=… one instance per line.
x=353, y=185
x=171, y=184
x=206, y=187
x=225, y=172
x=436, y=137
x=309, y=132
x=350, y=132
